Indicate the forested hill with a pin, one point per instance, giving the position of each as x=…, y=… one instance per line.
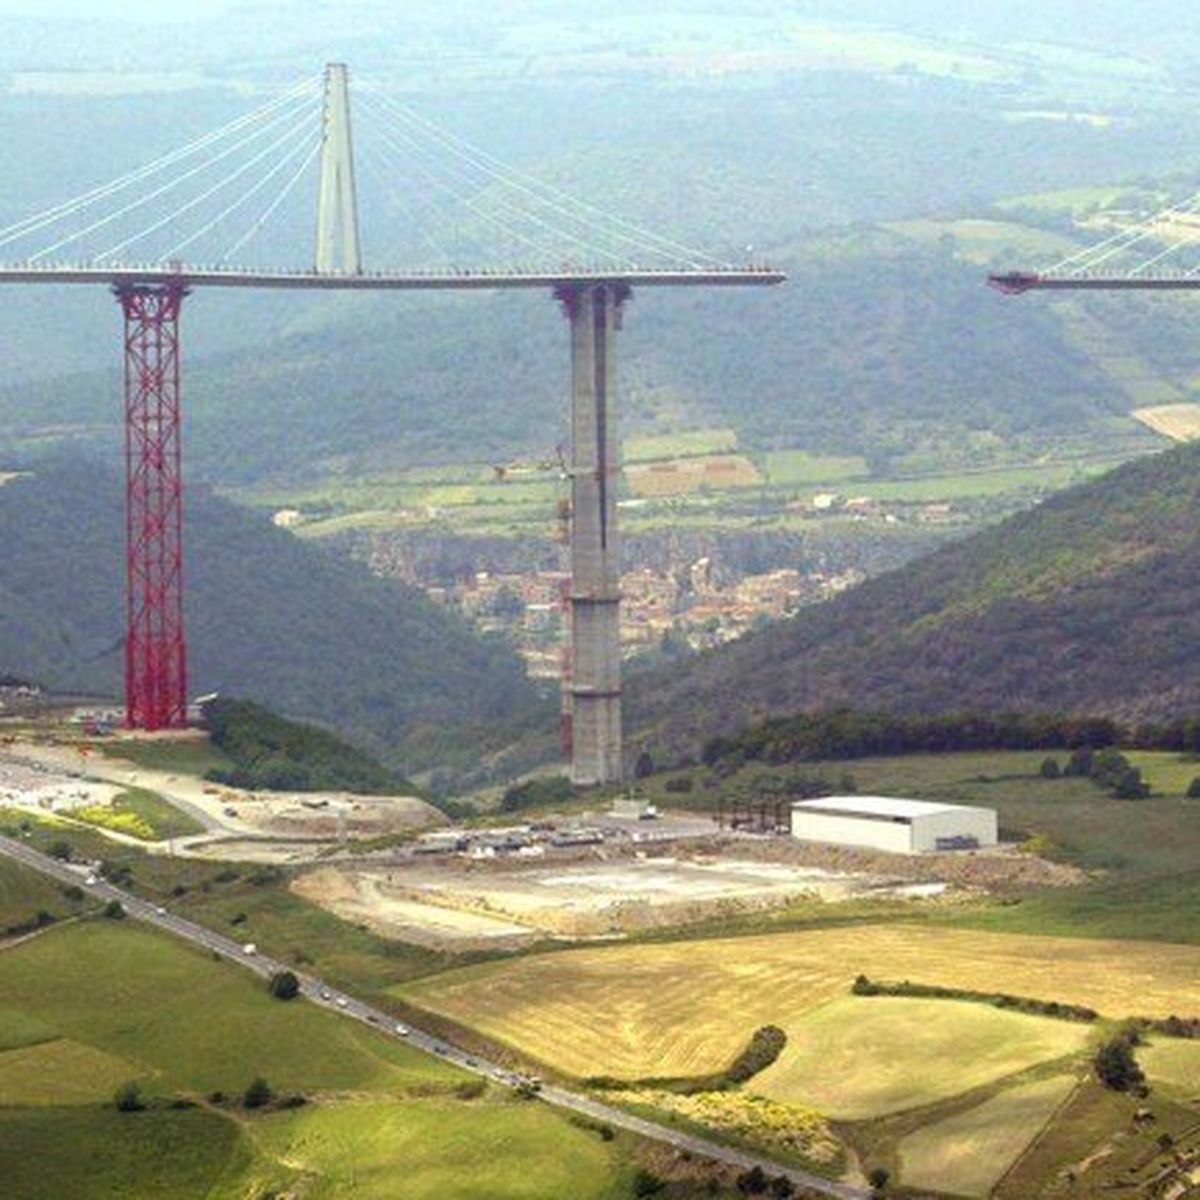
x=269, y=617
x=1084, y=604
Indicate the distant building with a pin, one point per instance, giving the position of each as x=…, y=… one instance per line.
x=894, y=824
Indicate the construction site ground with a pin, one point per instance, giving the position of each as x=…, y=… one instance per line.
x=51, y=778
x=505, y=902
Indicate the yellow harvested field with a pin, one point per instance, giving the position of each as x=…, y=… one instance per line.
x=861, y=1057
x=61, y=1072
x=1174, y=1063
x=683, y=475
x=1178, y=421
x=966, y=1154
x=686, y=1008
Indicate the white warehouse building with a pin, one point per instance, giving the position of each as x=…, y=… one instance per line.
x=891, y=823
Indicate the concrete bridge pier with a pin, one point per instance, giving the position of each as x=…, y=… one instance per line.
x=592, y=697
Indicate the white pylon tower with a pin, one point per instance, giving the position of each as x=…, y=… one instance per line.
x=337, y=205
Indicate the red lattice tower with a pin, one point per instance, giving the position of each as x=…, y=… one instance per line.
x=155, y=649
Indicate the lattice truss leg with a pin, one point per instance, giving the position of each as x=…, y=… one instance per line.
x=155, y=647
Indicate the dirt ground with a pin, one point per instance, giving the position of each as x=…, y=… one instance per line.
x=224, y=811
x=595, y=898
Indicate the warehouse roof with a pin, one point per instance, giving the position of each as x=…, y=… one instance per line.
x=880, y=806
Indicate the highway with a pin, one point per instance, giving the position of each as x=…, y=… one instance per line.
x=346, y=1005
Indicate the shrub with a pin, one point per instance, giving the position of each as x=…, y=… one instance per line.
x=765, y=1047
x=128, y=1098
x=257, y=1094
x=683, y=783
x=73, y=892
x=1193, y=792
x=1116, y=1067
x=114, y=910
x=782, y=1187
x=61, y=851
x=646, y=1183
x=752, y=1182
x=1050, y=769
x=537, y=793
x=878, y=1178
x=471, y=1090
x=284, y=985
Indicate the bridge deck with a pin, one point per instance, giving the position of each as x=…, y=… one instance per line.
x=1015, y=282
x=193, y=277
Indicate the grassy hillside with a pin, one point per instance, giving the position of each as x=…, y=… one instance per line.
x=269, y=618
x=381, y=1120
x=1083, y=604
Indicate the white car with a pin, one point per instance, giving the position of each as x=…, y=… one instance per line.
x=402, y=1030
x=160, y=911
x=91, y=879
x=341, y=1002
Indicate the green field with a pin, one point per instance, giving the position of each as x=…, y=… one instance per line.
x=1173, y=1063
x=433, y=1149
x=141, y=813
x=194, y=1154
x=186, y=756
x=101, y=1003
x=858, y=1058
x=175, y=1014
x=791, y=467
x=966, y=1154
x=25, y=893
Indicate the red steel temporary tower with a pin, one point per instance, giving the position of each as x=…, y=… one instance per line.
x=155, y=650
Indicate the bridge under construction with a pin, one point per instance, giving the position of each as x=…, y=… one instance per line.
x=281, y=139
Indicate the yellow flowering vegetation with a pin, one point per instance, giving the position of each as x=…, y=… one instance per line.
x=120, y=822
x=768, y=1123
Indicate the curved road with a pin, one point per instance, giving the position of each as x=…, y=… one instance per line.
x=321, y=993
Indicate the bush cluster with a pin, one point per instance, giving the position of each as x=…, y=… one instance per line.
x=541, y=792
x=863, y=986
x=273, y=754
x=1108, y=768
x=844, y=733
x=766, y=1045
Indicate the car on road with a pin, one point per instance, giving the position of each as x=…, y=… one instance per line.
x=342, y=1002
x=402, y=1030
x=325, y=994
x=250, y=948
x=160, y=911
x=91, y=879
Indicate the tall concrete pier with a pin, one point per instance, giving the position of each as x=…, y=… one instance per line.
x=593, y=689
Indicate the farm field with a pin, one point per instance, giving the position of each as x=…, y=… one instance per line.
x=636, y=1011
x=966, y=1154
x=1180, y=422
x=98, y=1004
x=857, y=1057
x=1174, y=1064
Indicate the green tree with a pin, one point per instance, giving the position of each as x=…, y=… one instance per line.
x=879, y=1178
x=284, y=985
x=61, y=850
x=1193, y=792
x=257, y=1094
x=1116, y=1067
x=1050, y=768
x=752, y=1182
x=114, y=910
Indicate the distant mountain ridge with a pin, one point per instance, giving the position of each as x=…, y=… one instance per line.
x=269, y=618
x=1085, y=604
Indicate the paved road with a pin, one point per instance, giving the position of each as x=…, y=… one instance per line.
x=329, y=997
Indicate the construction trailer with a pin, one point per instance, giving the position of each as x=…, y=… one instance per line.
x=894, y=824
